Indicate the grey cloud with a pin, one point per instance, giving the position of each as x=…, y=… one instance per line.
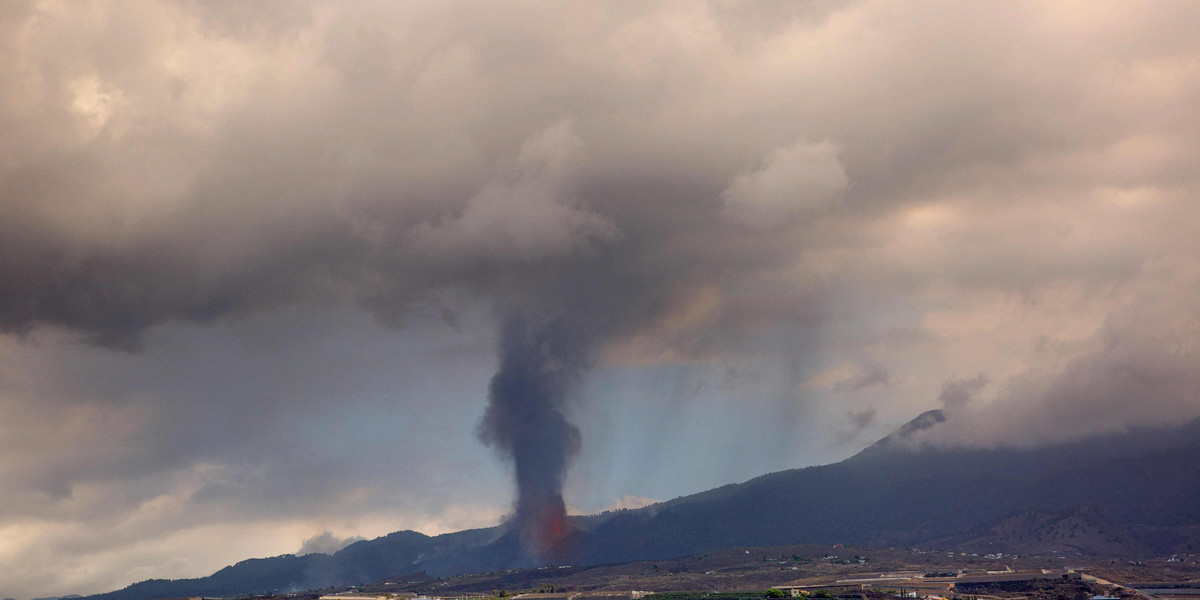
x=524, y=220
x=862, y=419
x=958, y=393
x=859, y=422
x=270, y=219
x=792, y=181
x=873, y=375
x=267, y=220
x=326, y=543
x=1138, y=369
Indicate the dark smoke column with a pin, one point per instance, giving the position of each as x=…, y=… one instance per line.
x=524, y=421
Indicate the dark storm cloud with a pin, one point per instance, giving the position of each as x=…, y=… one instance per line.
x=329, y=185
x=275, y=211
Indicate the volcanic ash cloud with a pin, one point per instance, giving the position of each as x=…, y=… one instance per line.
x=524, y=422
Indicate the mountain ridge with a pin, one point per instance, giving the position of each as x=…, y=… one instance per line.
x=1139, y=486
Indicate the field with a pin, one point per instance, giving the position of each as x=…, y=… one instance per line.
x=757, y=569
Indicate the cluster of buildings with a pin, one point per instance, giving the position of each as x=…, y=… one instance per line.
x=917, y=585
x=592, y=595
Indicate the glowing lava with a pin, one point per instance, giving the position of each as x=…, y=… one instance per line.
x=545, y=531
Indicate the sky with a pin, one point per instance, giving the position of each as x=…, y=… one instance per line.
x=257, y=259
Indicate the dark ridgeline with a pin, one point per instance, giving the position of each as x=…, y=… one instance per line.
x=524, y=421
x=1132, y=494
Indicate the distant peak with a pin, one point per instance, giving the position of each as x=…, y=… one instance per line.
x=923, y=421
x=902, y=437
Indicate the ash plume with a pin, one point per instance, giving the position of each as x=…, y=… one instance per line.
x=524, y=421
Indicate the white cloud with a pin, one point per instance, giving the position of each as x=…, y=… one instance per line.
x=326, y=543
x=792, y=182
x=628, y=502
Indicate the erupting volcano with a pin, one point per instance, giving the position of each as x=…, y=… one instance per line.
x=544, y=529
x=524, y=421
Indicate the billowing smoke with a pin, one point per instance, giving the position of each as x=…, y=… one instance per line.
x=524, y=420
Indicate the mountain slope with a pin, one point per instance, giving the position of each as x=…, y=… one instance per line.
x=360, y=562
x=892, y=495
x=1124, y=494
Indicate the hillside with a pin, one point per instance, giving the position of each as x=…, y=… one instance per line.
x=1128, y=495
x=890, y=495
x=360, y=562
